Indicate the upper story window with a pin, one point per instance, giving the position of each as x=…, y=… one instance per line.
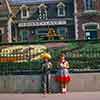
x=24, y=12
x=90, y=30
x=89, y=4
x=1, y=32
x=61, y=9
x=0, y=3
x=42, y=11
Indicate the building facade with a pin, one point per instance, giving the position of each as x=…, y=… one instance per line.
x=87, y=19
x=35, y=19
x=4, y=17
x=30, y=20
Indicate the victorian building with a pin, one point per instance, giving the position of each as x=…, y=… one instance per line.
x=34, y=19
x=30, y=20
x=4, y=21
x=87, y=19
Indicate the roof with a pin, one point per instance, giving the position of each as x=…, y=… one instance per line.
x=3, y=6
x=15, y=9
x=3, y=9
x=19, y=2
x=16, y=4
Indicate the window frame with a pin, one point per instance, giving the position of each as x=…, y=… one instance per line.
x=22, y=34
x=59, y=6
x=2, y=32
x=43, y=7
x=90, y=30
x=89, y=5
x=24, y=7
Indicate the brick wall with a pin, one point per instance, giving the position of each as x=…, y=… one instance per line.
x=87, y=17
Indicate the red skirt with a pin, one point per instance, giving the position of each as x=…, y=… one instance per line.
x=63, y=79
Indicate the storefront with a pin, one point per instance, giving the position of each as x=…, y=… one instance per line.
x=41, y=28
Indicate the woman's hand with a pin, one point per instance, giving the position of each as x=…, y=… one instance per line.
x=66, y=64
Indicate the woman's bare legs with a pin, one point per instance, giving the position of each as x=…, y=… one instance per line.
x=64, y=87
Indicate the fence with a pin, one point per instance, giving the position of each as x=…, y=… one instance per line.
x=17, y=58
x=20, y=63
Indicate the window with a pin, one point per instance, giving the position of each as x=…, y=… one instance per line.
x=24, y=35
x=62, y=31
x=1, y=2
x=91, y=32
x=0, y=35
x=89, y=4
x=42, y=11
x=24, y=12
x=42, y=31
x=61, y=9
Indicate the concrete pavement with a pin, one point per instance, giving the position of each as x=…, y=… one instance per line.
x=68, y=96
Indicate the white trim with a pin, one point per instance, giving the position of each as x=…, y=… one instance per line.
x=8, y=6
x=61, y=4
x=27, y=12
x=90, y=11
x=42, y=23
x=40, y=12
x=42, y=5
x=23, y=6
x=9, y=31
x=63, y=11
x=90, y=23
x=58, y=7
x=76, y=20
x=2, y=30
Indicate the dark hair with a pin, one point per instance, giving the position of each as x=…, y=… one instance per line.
x=62, y=55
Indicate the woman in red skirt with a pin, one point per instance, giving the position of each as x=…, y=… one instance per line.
x=62, y=75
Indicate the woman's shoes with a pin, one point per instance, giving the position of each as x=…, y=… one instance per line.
x=64, y=91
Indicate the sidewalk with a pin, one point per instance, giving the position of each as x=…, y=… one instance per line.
x=68, y=96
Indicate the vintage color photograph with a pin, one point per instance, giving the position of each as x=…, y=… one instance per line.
x=49, y=49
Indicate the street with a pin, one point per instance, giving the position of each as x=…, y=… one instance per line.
x=68, y=96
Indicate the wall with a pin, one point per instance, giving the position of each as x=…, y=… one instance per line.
x=83, y=17
x=21, y=83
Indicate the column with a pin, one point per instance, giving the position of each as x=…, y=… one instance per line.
x=9, y=31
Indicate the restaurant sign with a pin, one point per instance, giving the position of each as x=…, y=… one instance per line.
x=42, y=23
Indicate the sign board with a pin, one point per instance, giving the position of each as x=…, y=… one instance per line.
x=42, y=23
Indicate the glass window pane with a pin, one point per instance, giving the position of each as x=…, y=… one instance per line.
x=89, y=4
x=24, y=12
x=61, y=11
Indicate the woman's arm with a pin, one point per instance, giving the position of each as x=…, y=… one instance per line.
x=66, y=65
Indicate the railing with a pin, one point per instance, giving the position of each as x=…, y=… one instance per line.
x=23, y=58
